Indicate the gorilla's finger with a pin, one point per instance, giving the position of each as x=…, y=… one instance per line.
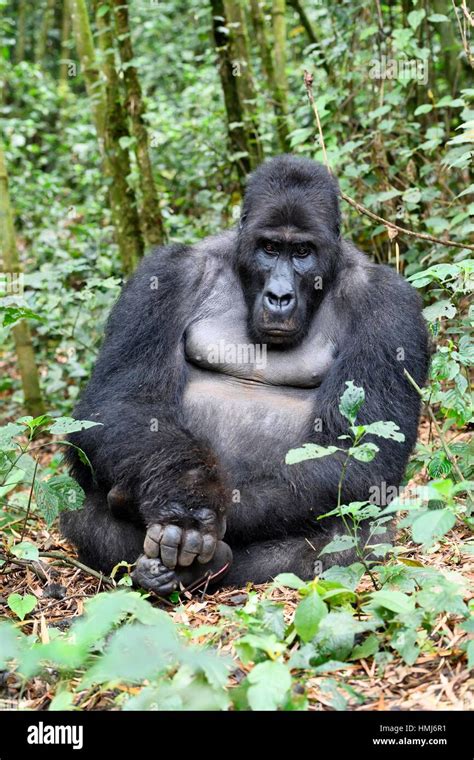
x=207, y=517
x=208, y=548
x=151, y=545
x=170, y=541
x=190, y=546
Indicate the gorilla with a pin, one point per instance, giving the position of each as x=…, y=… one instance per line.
x=220, y=357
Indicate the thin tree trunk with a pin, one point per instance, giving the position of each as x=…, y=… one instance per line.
x=110, y=122
x=150, y=215
x=238, y=144
x=65, y=50
x=242, y=71
x=21, y=331
x=268, y=66
x=309, y=29
x=20, y=43
x=279, y=34
x=45, y=26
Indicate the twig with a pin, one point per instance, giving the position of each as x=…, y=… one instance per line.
x=308, y=81
x=440, y=433
x=75, y=563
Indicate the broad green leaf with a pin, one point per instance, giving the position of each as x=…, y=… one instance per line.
x=385, y=429
x=439, y=309
x=395, y=601
x=289, y=580
x=368, y=648
x=21, y=605
x=66, y=425
x=25, y=550
x=431, y=526
x=351, y=401
x=309, y=613
x=339, y=544
x=309, y=451
x=270, y=683
x=364, y=452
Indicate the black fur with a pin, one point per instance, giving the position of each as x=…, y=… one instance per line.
x=365, y=313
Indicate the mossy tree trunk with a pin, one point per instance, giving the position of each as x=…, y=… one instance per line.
x=111, y=125
x=309, y=29
x=21, y=332
x=20, y=43
x=65, y=41
x=238, y=142
x=242, y=71
x=43, y=31
x=258, y=21
x=150, y=215
x=281, y=82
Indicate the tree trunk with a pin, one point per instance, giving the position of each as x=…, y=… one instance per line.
x=242, y=72
x=238, y=145
x=45, y=26
x=21, y=331
x=279, y=33
x=258, y=22
x=309, y=29
x=20, y=43
x=110, y=122
x=150, y=215
x=65, y=50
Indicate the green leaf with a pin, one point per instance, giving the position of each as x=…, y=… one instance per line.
x=66, y=425
x=438, y=18
x=339, y=544
x=289, y=580
x=385, y=429
x=21, y=605
x=351, y=401
x=368, y=648
x=25, y=550
x=11, y=643
x=470, y=654
x=439, y=309
x=102, y=10
x=13, y=314
x=395, y=601
x=309, y=613
x=424, y=108
x=364, y=452
x=309, y=451
x=431, y=526
x=270, y=683
x=415, y=18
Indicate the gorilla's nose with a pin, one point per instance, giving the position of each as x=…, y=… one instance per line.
x=280, y=304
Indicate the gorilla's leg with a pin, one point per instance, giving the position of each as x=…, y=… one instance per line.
x=102, y=540
x=263, y=561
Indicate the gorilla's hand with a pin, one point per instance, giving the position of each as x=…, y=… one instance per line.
x=183, y=535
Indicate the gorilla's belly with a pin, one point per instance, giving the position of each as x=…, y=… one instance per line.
x=243, y=419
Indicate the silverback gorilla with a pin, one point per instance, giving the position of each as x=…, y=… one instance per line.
x=218, y=358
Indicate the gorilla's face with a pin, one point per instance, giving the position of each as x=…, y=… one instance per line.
x=288, y=246
x=281, y=284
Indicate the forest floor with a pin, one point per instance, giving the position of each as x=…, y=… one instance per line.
x=438, y=681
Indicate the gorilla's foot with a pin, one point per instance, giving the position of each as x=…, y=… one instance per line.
x=151, y=574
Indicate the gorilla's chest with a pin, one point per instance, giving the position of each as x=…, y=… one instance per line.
x=250, y=400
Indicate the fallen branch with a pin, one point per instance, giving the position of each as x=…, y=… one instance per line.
x=308, y=81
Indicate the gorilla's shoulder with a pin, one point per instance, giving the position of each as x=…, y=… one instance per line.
x=209, y=254
x=361, y=281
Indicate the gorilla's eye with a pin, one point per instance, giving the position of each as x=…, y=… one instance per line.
x=269, y=247
x=302, y=250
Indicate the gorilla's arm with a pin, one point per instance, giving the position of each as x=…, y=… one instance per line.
x=142, y=448
x=385, y=334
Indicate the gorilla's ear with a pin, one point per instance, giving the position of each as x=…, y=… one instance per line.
x=242, y=221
